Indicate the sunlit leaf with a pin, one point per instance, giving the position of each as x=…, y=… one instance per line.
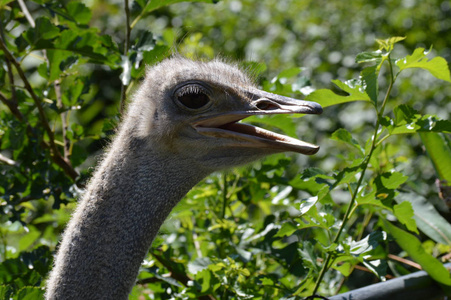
x=367, y=244
x=389, y=43
x=437, y=66
x=307, y=204
x=390, y=180
x=408, y=120
x=79, y=12
x=355, y=91
x=126, y=71
x=30, y=293
x=368, y=56
x=377, y=266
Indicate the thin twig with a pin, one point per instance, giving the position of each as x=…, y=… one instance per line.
x=405, y=261
x=10, y=72
x=224, y=195
x=26, y=13
x=12, y=107
x=8, y=161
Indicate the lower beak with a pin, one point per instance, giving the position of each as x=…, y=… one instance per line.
x=244, y=135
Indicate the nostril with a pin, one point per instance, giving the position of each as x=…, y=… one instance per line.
x=262, y=105
x=266, y=105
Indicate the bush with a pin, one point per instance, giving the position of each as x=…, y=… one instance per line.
x=370, y=206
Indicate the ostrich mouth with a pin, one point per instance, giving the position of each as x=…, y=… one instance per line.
x=244, y=135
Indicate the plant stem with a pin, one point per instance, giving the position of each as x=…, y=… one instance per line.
x=224, y=196
x=64, y=120
x=126, y=47
x=365, y=164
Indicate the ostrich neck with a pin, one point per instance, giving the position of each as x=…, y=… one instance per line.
x=129, y=197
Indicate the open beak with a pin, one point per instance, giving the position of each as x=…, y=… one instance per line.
x=263, y=103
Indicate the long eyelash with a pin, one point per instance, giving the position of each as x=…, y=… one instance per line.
x=191, y=89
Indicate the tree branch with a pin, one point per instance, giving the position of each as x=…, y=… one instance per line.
x=55, y=154
x=12, y=107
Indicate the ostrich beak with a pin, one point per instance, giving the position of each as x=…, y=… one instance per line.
x=226, y=125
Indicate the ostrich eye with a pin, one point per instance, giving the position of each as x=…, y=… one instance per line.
x=193, y=96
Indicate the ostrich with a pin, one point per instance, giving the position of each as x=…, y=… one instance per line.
x=181, y=125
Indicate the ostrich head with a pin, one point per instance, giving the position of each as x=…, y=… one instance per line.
x=192, y=109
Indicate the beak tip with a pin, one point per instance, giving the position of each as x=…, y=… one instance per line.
x=314, y=150
x=316, y=108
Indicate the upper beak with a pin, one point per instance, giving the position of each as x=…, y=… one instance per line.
x=226, y=125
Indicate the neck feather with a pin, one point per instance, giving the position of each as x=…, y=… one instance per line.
x=129, y=197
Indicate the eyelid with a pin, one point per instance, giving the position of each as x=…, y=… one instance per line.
x=193, y=89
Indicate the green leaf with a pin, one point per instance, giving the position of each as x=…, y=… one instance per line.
x=377, y=266
x=4, y=2
x=145, y=41
x=73, y=92
x=389, y=43
x=408, y=120
x=287, y=229
x=369, y=77
x=285, y=123
x=438, y=147
x=436, y=66
x=55, y=58
x=307, y=204
x=39, y=37
x=29, y=239
x=354, y=89
x=288, y=73
x=428, y=220
x=404, y=213
x=390, y=180
x=369, y=56
x=345, y=264
x=345, y=136
x=30, y=293
x=415, y=250
x=79, y=12
x=384, y=193
x=308, y=255
x=367, y=244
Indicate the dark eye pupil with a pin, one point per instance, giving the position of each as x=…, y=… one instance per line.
x=194, y=100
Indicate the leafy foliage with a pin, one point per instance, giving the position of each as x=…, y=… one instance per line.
x=286, y=228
